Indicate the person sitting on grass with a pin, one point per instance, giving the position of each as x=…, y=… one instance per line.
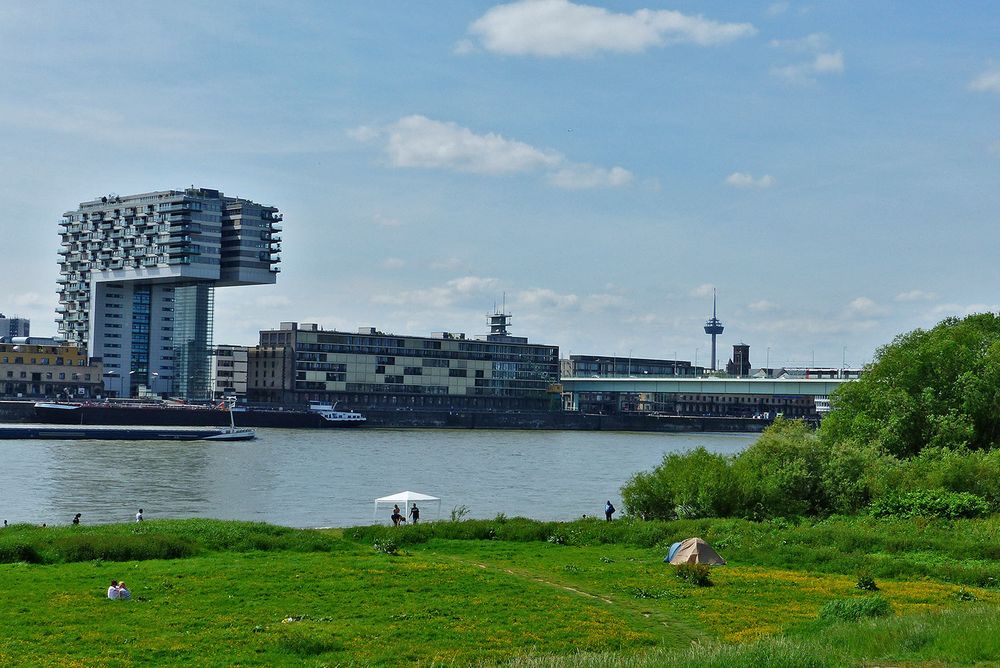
x=113, y=590
x=123, y=593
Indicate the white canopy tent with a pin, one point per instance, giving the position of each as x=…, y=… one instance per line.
x=405, y=499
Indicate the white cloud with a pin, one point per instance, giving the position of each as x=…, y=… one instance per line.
x=777, y=8
x=580, y=177
x=744, y=180
x=29, y=299
x=455, y=291
x=812, y=43
x=557, y=28
x=915, y=296
x=385, y=221
x=448, y=263
x=420, y=142
x=270, y=301
x=703, y=290
x=864, y=307
x=546, y=298
x=942, y=311
x=762, y=306
x=987, y=82
x=823, y=63
x=393, y=263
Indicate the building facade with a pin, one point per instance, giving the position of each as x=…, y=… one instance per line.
x=137, y=281
x=45, y=368
x=229, y=371
x=588, y=366
x=296, y=364
x=14, y=327
x=739, y=364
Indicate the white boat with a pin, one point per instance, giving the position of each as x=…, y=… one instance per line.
x=337, y=418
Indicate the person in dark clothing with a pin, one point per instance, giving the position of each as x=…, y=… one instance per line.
x=396, y=517
x=415, y=513
x=76, y=518
x=609, y=510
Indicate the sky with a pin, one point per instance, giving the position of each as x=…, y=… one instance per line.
x=829, y=168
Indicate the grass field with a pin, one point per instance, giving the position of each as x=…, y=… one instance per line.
x=225, y=593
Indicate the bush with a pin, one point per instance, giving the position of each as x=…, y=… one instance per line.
x=931, y=503
x=692, y=484
x=853, y=609
x=385, y=546
x=699, y=575
x=866, y=581
x=13, y=553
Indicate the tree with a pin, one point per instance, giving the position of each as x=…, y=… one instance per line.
x=937, y=388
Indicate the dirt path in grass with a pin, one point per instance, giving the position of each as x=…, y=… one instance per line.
x=641, y=613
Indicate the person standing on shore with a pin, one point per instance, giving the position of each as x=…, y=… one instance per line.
x=609, y=510
x=138, y=516
x=415, y=513
x=76, y=519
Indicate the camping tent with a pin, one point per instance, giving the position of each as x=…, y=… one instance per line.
x=405, y=499
x=693, y=551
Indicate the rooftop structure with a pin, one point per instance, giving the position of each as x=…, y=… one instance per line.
x=137, y=280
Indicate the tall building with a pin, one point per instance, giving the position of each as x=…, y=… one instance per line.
x=14, y=326
x=138, y=276
x=298, y=363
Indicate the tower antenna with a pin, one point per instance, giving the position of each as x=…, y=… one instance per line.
x=713, y=327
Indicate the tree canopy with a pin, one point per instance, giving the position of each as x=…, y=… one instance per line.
x=928, y=388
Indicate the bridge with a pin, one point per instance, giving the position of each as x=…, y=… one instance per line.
x=819, y=387
x=707, y=395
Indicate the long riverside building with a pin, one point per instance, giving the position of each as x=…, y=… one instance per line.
x=302, y=363
x=137, y=279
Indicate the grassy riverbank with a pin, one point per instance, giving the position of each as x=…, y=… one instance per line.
x=510, y=592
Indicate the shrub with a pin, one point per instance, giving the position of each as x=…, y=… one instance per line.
x=853, y=609
x=458, y=513
x=699, y=575
x=691, y=484
x=931, y=503
x=13, y=553
x=866, y=581
x=780, y=475
x=385, y=546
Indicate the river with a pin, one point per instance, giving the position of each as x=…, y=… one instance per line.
x=312, y=478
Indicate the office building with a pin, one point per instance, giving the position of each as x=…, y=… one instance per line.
x=298, y=363
x=138, y=275
x=229, y=371
x=11, y=327
x=39, y=368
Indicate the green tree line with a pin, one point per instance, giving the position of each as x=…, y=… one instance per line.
x=916, y=434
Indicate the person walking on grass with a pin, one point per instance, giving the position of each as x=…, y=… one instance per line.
x=609, y=510
x=415, y=513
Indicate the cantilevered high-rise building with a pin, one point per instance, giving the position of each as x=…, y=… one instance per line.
x=137, y=281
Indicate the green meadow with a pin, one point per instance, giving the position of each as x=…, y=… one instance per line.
x=508, y=592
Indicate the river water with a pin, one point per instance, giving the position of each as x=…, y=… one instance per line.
x=312, y=478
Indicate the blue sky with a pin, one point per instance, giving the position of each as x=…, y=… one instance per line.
x=831, y=168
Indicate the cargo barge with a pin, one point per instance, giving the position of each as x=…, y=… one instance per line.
x=119, y=433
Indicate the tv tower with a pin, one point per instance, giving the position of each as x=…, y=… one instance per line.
x=713, y=327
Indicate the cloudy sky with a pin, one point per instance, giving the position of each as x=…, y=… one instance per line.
x=831, y=168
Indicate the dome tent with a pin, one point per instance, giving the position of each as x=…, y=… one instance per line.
x=693, y=551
